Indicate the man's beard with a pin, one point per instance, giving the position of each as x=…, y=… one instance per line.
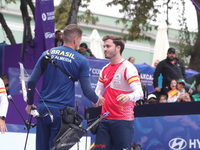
x=170, y=59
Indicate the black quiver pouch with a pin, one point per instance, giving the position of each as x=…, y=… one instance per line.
x=71, y=116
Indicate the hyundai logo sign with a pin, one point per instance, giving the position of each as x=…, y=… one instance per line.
x=177, y=144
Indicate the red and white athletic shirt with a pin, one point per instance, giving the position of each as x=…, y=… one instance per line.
x=121, y=78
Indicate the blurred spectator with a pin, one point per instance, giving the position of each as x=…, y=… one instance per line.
x=6, y=82
x=181, y=86
x=156, y=62
x=151, y=99
x=197, y=96
x=131, y=59
x=160, y=78
x=173, y=91
x=145, y=93
x=84, y=50
x=163, y=99
x=58, y=38
x=170, y=68
x=185, y=97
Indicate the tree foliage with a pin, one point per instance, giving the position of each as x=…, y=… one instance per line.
x=141, y=12
x=61, y=13
x=25, y=17
x=189, y=49
x=67, y=13
x=195, y=56
x=186, y=38
x=137, y=16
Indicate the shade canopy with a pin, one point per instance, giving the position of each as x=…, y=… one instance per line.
x=95, y=44
x=161, y=43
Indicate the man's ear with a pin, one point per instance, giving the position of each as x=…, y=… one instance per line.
x=118, y=48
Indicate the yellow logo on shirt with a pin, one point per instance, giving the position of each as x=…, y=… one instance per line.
x=63, y=53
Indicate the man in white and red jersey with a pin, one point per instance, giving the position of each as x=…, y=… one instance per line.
x=3, y=106
x=120, y=84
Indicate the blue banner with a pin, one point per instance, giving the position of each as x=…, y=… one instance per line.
x=168, y=132
x=44, y=24
x=146, y=73
x=95, y=68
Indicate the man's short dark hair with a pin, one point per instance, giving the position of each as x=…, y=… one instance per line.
x=83, y=45
x=116, y=40
x=57, y=31
x=71, y=31
x=4, y=76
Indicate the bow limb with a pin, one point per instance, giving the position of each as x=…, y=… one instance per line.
x=22, y=78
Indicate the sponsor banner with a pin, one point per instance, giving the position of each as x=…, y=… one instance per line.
x=168, y=132
x=164, y=132
x=45, y=23
x=81, y=101
x=146, y=75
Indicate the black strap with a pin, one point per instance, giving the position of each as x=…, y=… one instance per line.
x=48, y=57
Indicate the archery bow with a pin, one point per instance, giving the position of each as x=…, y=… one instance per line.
x=24, y=92
x=34, y=112
x=33, y=109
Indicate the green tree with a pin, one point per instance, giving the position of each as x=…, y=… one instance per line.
x=195, y=56
x=186, y=40
x=67, y=13
x=141, y=12
x=25, y=17
x=137, y=17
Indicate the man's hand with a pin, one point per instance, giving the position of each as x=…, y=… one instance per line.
x=123, y=98
x=100, y=101
x=28, y=109
x=158, y=89
x=3, y=128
